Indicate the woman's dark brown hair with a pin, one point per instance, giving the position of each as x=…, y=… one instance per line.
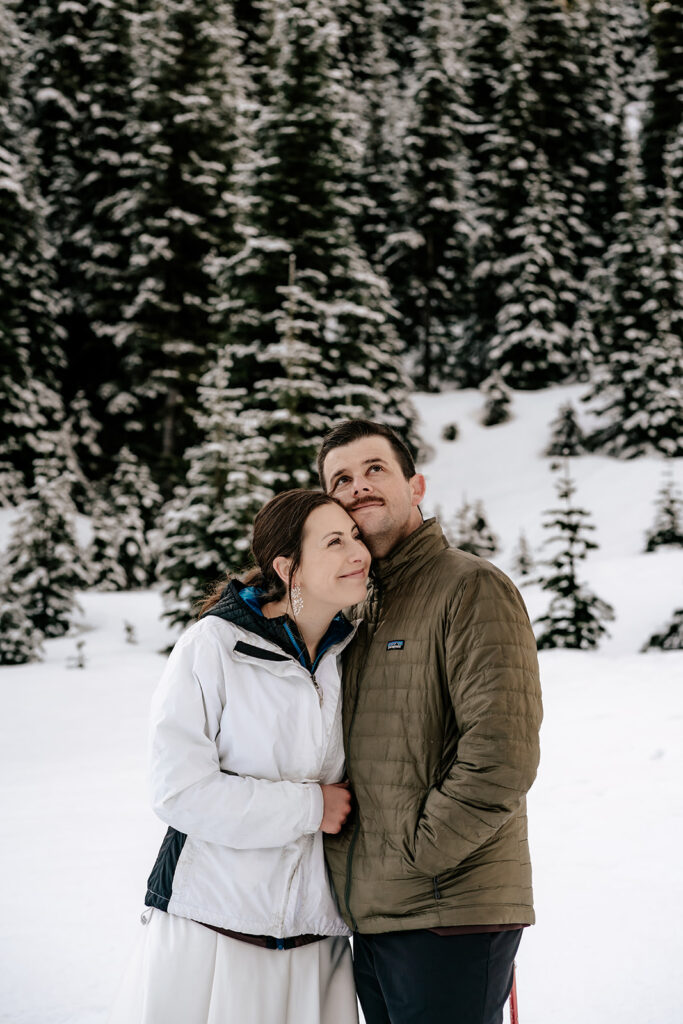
x=278, y=531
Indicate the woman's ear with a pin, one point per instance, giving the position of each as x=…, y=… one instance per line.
x=282, y=567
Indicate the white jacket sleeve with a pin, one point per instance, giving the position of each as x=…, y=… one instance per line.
x=189, y=790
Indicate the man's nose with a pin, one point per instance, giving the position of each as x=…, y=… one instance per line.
x=360, y=485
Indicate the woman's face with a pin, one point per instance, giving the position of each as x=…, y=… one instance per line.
x=334, y=560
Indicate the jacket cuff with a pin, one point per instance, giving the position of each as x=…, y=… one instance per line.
x=315, y=814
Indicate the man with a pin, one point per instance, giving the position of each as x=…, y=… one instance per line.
x=441, y=715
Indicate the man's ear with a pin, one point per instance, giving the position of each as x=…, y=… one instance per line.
x=417, y=488
x=282, y=567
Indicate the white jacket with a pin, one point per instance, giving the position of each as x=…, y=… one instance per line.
x=239, y=745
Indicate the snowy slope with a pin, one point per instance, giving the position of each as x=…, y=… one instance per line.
x=505, y=467
x=606, y=815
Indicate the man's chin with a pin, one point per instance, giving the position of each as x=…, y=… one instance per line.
x=370, y=519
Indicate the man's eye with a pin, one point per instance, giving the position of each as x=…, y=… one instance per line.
x=340, y=480
x=375, y=467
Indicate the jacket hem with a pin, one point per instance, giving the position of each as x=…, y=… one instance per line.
x=257, y=927
x=447, y=918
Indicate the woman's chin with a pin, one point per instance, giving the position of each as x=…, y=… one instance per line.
x=357, y=594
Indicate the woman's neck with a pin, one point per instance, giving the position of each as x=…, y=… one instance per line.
x=311, y=625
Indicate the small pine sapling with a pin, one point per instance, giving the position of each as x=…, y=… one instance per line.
x=671, y=637
x=667, y=528
x=106, y=571
x=566, y=437
x=43, y=564
x=471, y=532
x=77, y=660
x=497, y=405
x=522, y=558
x=575, y=616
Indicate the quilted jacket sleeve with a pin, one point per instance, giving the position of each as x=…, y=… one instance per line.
x=494, y=687
x=189, y=789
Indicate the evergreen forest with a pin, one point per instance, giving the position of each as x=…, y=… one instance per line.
x=225, y=226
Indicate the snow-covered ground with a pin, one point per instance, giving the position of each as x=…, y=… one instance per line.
x=77, y=839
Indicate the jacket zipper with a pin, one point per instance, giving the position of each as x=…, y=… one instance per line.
x=317, y=689
x=315, y=664
x=288, y=892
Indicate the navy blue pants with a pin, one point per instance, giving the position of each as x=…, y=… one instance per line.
x=418, y=977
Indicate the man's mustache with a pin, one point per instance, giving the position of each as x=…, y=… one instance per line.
x=364, y=501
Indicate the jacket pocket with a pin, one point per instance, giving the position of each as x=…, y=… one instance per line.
x=249, y=890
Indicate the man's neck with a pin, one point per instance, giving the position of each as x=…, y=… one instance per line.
x=382, y=547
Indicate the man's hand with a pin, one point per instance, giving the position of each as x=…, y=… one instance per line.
x=337, y=807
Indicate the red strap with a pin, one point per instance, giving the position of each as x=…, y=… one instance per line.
x=514, y=1016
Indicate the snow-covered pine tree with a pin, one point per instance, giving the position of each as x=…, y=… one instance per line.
x=30, y=354
x=104, y=569
x=133, y=483
x=43, y=565
x=381, y=122
x=312, y=337
x=522, y=559
x=427, y=258
x=485, y=25
x=568, y=126
x=529, y=248
x=471, y=532
x=575, y=616
x=103, y=229
x=56, y=83
x=205, y=529
x=525, y=291
x=500, y=154
x=555, y=60
x=187, y=137
x=120, y=552
x=497, y=400
x=667, y=528
x=12, y=488
x=20, y=641
x=637, y=390
x=618, y=63
x=606, y=36
x=533, y=345
x=667, y=239
x=566, y=435
x=671, y=636
x=666, y=95
x=401, y=29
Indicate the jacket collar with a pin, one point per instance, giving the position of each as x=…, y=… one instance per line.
x=411, y=555
x=241, y=604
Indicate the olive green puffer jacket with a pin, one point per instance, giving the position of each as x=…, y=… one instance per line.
x=442, y=709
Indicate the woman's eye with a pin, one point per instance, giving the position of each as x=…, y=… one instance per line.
x=335, y=541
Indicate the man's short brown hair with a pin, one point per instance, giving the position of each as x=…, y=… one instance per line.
x=353, y=430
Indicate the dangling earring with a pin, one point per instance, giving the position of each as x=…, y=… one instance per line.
x=297, y=600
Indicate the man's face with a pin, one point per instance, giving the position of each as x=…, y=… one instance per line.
x=366, y=478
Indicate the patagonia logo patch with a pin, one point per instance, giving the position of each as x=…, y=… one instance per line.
x=396, y=645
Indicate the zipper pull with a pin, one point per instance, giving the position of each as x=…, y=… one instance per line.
x=317, y=689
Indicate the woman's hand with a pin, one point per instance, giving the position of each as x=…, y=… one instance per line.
x=337, y=806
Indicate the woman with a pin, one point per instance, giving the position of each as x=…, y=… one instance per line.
x=247, y=763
